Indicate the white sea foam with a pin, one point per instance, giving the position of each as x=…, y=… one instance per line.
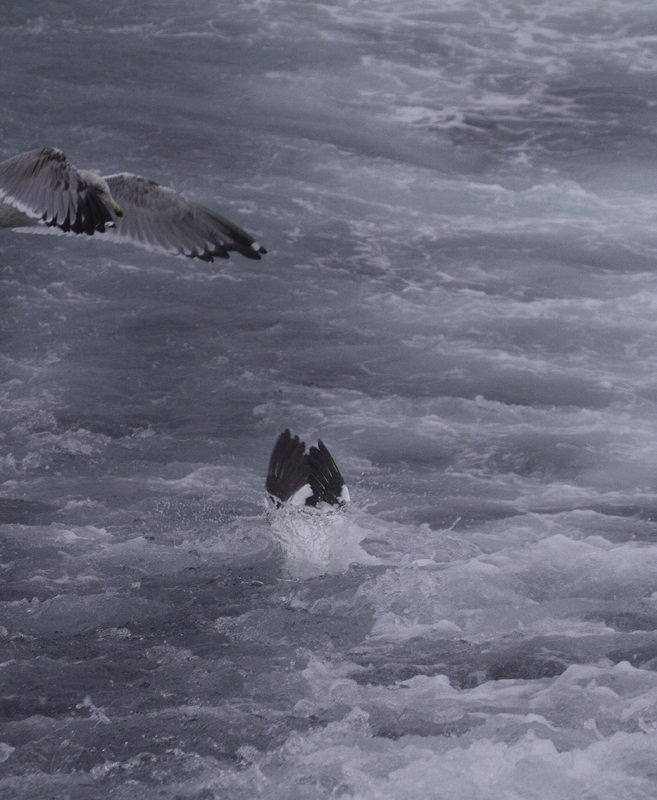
x=315, y=542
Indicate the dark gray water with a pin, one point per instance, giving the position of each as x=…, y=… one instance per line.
x=460, y=299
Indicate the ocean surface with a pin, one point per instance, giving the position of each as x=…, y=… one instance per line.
x=459, y=299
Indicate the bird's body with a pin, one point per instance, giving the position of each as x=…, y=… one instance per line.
x=41, y=190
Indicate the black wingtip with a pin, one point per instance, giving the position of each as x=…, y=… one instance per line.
x=291, y=470
x=249, y=251
x=257, y=250
x=229, y=236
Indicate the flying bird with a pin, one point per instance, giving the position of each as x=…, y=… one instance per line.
x=299, y=479
x=41, y=190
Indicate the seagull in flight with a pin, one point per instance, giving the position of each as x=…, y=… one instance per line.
x=41, y=192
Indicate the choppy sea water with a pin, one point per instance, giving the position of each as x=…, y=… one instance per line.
x=459, y=298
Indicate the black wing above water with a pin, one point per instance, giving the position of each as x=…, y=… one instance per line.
x=304, y=479
x=288, y=467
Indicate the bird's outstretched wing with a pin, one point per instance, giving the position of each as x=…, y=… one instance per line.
x=47, y=188
x=288, y=467
x=164, y=220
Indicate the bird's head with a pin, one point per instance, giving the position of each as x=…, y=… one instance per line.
x=99, y=184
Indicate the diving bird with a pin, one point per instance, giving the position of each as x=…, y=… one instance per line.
x=41, y=191
x=299, y=479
